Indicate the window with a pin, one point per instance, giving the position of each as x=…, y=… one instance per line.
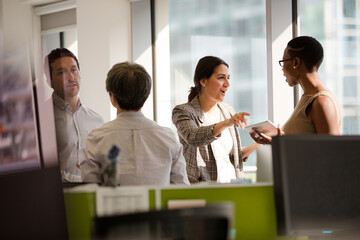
x=66, y=39
x=58, y=27
x=235, y=32
x=337, y=28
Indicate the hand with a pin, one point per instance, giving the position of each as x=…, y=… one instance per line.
x=260, y=137
x=263, y=138
x=239, y=119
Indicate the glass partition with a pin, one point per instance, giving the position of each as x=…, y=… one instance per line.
x=19, y=149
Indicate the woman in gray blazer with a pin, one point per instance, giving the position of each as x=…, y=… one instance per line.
x=207, y=127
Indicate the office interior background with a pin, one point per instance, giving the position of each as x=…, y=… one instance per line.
x=168, y=37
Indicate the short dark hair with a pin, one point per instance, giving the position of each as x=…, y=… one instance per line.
x=130, y=83
x=204, y=69
x=59, y=53
x=308, y=49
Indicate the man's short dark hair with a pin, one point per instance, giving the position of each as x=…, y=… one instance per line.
x=308, y=49
x=130, y=83
x=59, y=53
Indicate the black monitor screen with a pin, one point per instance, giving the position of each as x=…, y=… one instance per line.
x=317, y=185
x=210, y=222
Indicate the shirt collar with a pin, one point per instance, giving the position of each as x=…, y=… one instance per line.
x=131, y=114
x=59, y=102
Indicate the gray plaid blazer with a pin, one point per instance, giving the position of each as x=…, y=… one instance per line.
x=196, y=137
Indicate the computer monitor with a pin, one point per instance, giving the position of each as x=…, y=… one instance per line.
x=317, y=185
x=209, y=222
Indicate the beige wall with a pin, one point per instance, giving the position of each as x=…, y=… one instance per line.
x=104, y=38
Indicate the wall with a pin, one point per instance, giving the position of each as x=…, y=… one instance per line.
x=142, y=51
x=104, y=38
x=278, y=33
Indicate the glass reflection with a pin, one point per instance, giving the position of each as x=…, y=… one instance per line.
x=18, y=136
x=73, y=120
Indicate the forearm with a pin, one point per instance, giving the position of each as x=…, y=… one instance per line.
x=220, y=127
x=68, y=177
x=238, y=119
x=246, y=151
x=190, y=129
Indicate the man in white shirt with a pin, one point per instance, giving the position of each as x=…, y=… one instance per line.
x=73, y=121
x=149, y=154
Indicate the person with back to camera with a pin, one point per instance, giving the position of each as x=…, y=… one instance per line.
x=73, y=120
x=150, y=154
x=207, y=127
x=318, y=111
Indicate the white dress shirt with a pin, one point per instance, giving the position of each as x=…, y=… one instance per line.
x=71, y=132
x=149, y=154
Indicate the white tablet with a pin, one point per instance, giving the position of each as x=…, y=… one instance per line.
x=266, y=127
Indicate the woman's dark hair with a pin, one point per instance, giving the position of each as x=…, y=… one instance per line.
x=204, y=69
x=308, y=49
x=130, y=83
x=59, y=53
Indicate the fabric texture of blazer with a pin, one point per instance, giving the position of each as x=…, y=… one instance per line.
x=195, y=134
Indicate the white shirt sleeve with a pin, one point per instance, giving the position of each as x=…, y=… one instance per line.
x=178, y=173
x=90, y=167
x=68, y=177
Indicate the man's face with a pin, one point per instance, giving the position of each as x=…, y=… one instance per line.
x=65, y=77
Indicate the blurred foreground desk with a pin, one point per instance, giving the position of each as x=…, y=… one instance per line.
x=211, y=222
x=254, y=215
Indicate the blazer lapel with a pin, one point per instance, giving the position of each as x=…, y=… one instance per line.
x=199, y=112
x=228, y=115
